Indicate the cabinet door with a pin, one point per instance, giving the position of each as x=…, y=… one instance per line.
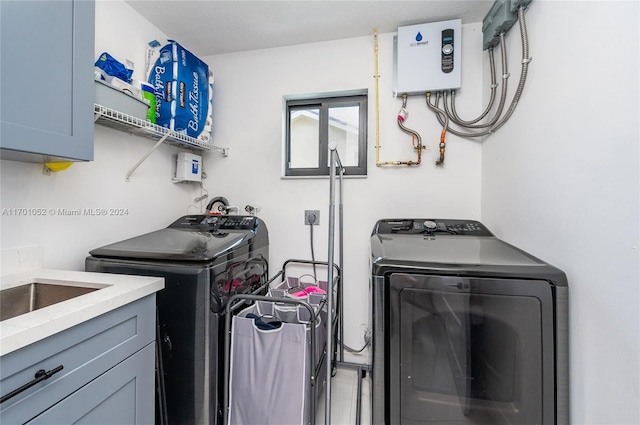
x=122, y=395
x=85, y=351
x=46, y=80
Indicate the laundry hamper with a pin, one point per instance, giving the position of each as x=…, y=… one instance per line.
x=303, y=288
x=276, y=356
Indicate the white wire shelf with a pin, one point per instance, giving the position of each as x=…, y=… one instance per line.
x=111, y=118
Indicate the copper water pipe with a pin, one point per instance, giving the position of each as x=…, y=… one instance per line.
x=405, y=129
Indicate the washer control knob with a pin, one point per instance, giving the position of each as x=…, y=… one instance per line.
x=429, y=225
x=447, y=49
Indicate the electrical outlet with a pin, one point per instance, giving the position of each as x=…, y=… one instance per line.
x=367, y=336
x=312, y=217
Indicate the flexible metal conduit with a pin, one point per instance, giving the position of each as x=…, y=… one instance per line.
x=503, y=93
x=446, y=114
x=454, y=114
x=494, y=124
x=419, y=146
x=525, y=68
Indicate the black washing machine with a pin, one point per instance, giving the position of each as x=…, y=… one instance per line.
x=204, y=260
x=467, y=329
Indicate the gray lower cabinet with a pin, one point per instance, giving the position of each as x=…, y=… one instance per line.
x=123, y=395
x=46, y=80
x=107, y=375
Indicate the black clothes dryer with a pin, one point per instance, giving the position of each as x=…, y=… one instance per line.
x=467, y=329
x=204, y=260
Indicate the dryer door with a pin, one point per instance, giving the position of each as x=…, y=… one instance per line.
x=470, y=351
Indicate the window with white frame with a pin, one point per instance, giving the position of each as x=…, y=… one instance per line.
x=311, y=123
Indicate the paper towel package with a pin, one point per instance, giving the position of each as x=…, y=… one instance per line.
x=184, y=89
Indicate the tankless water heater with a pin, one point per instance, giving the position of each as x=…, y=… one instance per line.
x=427, y=57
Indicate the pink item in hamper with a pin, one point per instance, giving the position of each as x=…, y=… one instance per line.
x=307, y=291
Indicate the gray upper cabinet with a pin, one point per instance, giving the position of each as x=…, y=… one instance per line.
x=46, y=80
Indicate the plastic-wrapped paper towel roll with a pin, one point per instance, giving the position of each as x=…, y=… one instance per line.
x=149, y=95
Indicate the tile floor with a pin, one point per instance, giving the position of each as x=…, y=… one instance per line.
x=344, y=395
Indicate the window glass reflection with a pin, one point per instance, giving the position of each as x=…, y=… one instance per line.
x=344, y=130
x=305, y=138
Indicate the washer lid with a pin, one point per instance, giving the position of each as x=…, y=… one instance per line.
x=448, y=249
x=175, y=244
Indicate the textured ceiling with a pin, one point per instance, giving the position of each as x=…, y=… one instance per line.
x=212, y=27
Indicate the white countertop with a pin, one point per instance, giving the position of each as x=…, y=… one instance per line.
x=115, y=291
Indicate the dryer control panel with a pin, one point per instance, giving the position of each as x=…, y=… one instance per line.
x=419, y=226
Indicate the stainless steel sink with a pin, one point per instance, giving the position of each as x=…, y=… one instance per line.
x=26, y=298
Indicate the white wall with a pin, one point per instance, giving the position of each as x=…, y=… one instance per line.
x=248, y=113
x=151, y=199
x=561, y=180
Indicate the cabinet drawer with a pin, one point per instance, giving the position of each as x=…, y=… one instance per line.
x=123, y=395
x=85, y=351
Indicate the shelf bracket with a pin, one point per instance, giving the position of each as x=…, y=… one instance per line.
x=156, y=146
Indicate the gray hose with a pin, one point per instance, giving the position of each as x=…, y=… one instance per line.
x=503, y=98
x=514, y=102
x=503, y=92
x=454, y=114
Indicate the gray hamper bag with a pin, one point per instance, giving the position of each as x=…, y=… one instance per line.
x=270, y=370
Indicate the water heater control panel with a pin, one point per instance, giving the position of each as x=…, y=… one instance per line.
x=427, y=57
